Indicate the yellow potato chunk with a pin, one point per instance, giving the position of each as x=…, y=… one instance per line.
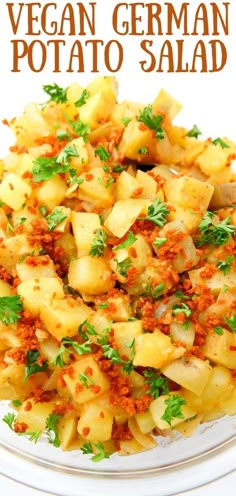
x=12, y=250
x=35, y=418
x=155, y=350
x=123, y=215
x=158, y=409
x=63, y=317
x=95, y=423
x=218, y=348
x=86, y=381
x=125, y=333
x=90, y=275
x=44, y=268
x=189, y=372
x=14, y=191
x=35, y=291
x=51, y=192
x=84, y=227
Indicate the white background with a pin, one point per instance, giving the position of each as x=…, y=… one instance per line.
x=208, y=98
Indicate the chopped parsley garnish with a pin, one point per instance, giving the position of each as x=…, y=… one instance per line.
x=74, y=179
x=157, y=385
x=67, y=152
x=64, y=352
x=125, y=120
x=152, y=121
x=143, y=150
x=62, y=134
x=43, y=210
x=131, y=238
x=183, y=309
x=231, y=322
x=114, y=356
x=16, y=403
x=82, y=99
x=102, y=305
x=52, y=429
x=225, y=265
x=215, y=234
x=218, y=330
x=34, y=363
x=173, y=408
x=155, y=291
x=56, y=93
x=55, y=218
x=98, y=244
x=87, y=449
x=157, y=213
x=102, y=153
x=158, y=242
x=86, y=380
x=10, y=419
x=219, y=141
x=119, y=168
x=194, y=132
x=123, y=266
x=10, y=308
x=80, y=128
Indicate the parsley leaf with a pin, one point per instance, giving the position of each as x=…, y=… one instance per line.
x=155, y=291
x=218, y=330
x=183, y=309
x=64, y=353
x=143, y=150
x=87, y=448
x=225, y=265
x=80, y=128
x=10, y=307
x=219, y=141
x=194, y=132
x=66, y=153
x=10, y=419
x=101, y=453
x=173, y=409
x=123, y=266
x=85, y=379
x=55, y=218
x=158, y=242
x=16, y=403
x=231, y=322
x=215, y=234
x=74, y=179
x=102, y=153
x=157, y=384
x=56, y=93
x=82, y=99
x=152, y=121
x=131, y=238
x=125, y=120
x=62, y=134
x=52, y=429
x=98, y=243
x=32, y=366
x=157, y=213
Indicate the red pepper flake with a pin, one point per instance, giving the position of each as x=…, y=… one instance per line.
x=20, y=427
x=28, y=406
x=85, y=431
x=89, y=177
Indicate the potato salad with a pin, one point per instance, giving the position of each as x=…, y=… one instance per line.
x=117, y=272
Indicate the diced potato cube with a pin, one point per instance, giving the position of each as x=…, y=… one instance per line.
x=189, y=372
x=102, y=98
x=155, y=350
x=86, y=381
x=5, y=288
x=166, y=104
x=134, y=139
x=229, y=405
x=214, y=159
x=84, y=227
x=123, y=215
x=35, y=291
x=126, y=185
x=216, y=282
x=179, y=334
x=51, y=192
x=42, y=266
x=30, y=125
x=95, y=423
x=145, y=422
x=149, y=186
x=188, y=428
x=35, y=418
x=14, y=191
x=125, y=333
x=12, y=250
x=221, y=349
x=158, y=408
x=67, y=430
x=188, y=192
x=96, y=189
x=90, y=275
x=63, y=317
